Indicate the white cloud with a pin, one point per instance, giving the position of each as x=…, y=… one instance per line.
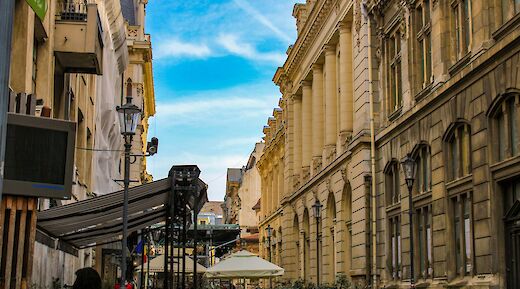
x=232, y=44
x=177, y=48
x=263, y=20
x=247, y=102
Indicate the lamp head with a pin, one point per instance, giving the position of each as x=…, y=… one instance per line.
x=317, y=209
x=129, y=117
x=409, y=168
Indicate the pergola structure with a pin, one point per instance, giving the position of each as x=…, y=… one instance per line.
x=175, y=200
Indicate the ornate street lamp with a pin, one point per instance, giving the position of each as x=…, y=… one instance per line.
x=317, y=214
x=269, y=231
x=409, y=168
x=129, y=117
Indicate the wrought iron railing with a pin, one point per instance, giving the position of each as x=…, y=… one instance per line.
x=72, y=10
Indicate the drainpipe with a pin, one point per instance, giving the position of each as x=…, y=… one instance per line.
x=372, y=155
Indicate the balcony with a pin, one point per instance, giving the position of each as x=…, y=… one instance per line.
x=78, y=37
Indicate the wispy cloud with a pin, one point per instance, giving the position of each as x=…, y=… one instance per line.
x=177, y=48
x=263, y=20
x=233, y=45
x=218, y=106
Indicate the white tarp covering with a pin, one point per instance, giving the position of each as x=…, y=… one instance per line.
x=244, y=264
x=157, y=265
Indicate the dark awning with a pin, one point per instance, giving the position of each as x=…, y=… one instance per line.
x=99, y=220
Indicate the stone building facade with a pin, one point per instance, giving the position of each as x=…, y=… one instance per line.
x=249, y=192
x=366, y=84
x=318, y=148
x=71, y=60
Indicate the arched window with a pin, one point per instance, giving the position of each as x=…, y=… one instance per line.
x=331, y=224
x=307, y=246
x=347, y=218
x=422, y=156
x=296, y=238
x=506, y=122
x=392, y=185
x=458, y=141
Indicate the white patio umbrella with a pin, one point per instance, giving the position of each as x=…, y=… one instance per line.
x=157, y=265
x=245, y=265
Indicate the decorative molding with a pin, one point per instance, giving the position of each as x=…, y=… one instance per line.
x=344, y=173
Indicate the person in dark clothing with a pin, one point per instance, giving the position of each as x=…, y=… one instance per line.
x=87, y=278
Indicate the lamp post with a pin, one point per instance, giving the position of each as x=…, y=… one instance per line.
x=269, y=230
x=129, y=117
x=317, y=214
x=409, y=168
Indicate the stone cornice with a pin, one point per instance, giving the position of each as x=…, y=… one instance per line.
x=312, y=27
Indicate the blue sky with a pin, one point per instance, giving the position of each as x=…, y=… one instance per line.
x=213, y=65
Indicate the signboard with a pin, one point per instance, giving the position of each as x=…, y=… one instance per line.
x=39, y=157
x=39, y=7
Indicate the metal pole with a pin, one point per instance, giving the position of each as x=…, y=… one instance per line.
x=148, y=261
x=317, y=251
x=410, y=214
x=166, y=249
x=143, y=241
x=184, y=238
x=269, y=247
x=6, y=31
x=195, y=214
x=128, y=146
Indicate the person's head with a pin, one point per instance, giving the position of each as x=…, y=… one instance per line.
x=87, y=278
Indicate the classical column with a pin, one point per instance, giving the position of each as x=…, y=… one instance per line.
x=331, y=103
x=346, y=78
x=297, y=164
x=306, y=129
x=317, y=117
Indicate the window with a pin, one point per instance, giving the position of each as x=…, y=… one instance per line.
x=509, y=9
x=395, y=247
x=461, y=23
x=511, y=191
x=424, y=171
x=392, y=183
x=424, y=242
x=423, y=44
x=393, y=48
x=507, y=125
x=203, y=222
x=459, y=151
x=463, y=233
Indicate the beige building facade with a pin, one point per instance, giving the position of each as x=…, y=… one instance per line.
x=73, y=61
x=249, y=192
x=366, y=84
x=318, y=149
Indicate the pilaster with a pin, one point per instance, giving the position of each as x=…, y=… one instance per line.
x=317, y=117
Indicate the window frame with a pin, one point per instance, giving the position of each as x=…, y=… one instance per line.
x=395, y=252
x=424, y=243
x=423, y=44
x=393, y=69
x=392, y=183
x=458, y=202
x=423, y=158
x=505, y=111
x=458, y=150
x=461, y=24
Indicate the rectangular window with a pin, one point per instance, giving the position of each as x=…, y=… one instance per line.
x=394, y=70
x=424, y=242
x=461, y=13
x=463, y=233
x=395, y=250
x=423, y=39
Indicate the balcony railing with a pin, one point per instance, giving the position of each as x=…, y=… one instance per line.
x=72, y=10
